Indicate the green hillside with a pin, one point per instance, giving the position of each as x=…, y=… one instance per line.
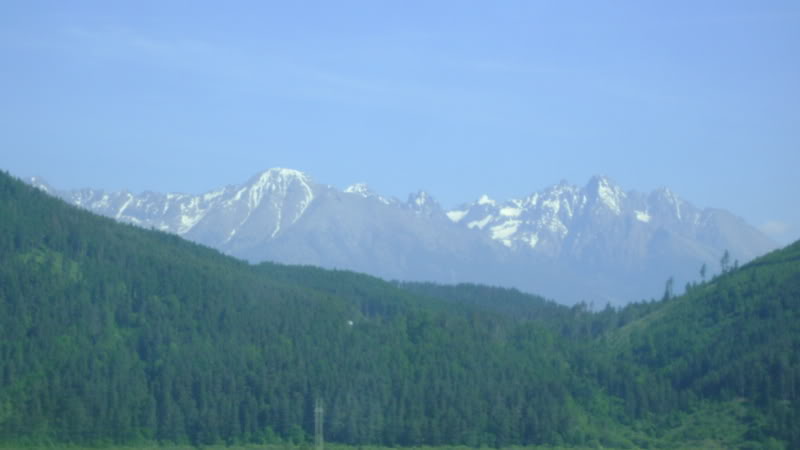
x=734, y=339
x=110, y=334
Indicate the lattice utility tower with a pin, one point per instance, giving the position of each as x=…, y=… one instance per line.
x=318, y=413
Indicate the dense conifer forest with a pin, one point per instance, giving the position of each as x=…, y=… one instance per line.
x=111, y=335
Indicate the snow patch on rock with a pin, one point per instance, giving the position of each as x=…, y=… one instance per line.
x=642, y=216
x=485, y=200
x=504, y=231
x=510, y=212
x=480, y=224
x=456, y=216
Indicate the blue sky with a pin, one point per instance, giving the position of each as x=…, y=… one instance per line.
x=455, y=97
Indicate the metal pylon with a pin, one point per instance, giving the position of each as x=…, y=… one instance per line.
x=318, y=414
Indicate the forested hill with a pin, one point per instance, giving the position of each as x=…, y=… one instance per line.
x=114, y=334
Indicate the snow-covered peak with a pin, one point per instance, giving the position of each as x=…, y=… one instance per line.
x=359, y=188
x=362, y=190
x=563, y=187
x=422, y=202
x=286, y=192
x=486, y=200
x=531, y=200
x=607, y=193
x=279, y=177
x=421, y=199
x=279, y=181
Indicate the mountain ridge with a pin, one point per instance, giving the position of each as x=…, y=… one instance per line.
x=283, y=215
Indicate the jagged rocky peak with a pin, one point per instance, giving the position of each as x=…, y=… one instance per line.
x=563, y=187
x=665, y=195
x=281, y=182
x=421, y=199
x=361, y=189
x=482, y=206
x=606, y=192
x=279, y=177
x=422, y=202
x=667, y=203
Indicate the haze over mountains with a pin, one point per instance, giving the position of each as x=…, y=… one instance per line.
x=597, y=243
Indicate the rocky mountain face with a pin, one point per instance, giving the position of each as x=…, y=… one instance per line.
x=595, y=243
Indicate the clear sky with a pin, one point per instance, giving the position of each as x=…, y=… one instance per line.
x=458, y=98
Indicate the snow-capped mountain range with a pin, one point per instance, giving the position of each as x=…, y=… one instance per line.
x=596, y=243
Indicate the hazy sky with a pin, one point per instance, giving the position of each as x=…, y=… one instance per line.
x=455, y=97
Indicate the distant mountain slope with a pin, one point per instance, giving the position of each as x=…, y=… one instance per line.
x=114, y=334
x=596, y=243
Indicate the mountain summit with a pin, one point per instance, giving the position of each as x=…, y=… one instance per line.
x=596, y=243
